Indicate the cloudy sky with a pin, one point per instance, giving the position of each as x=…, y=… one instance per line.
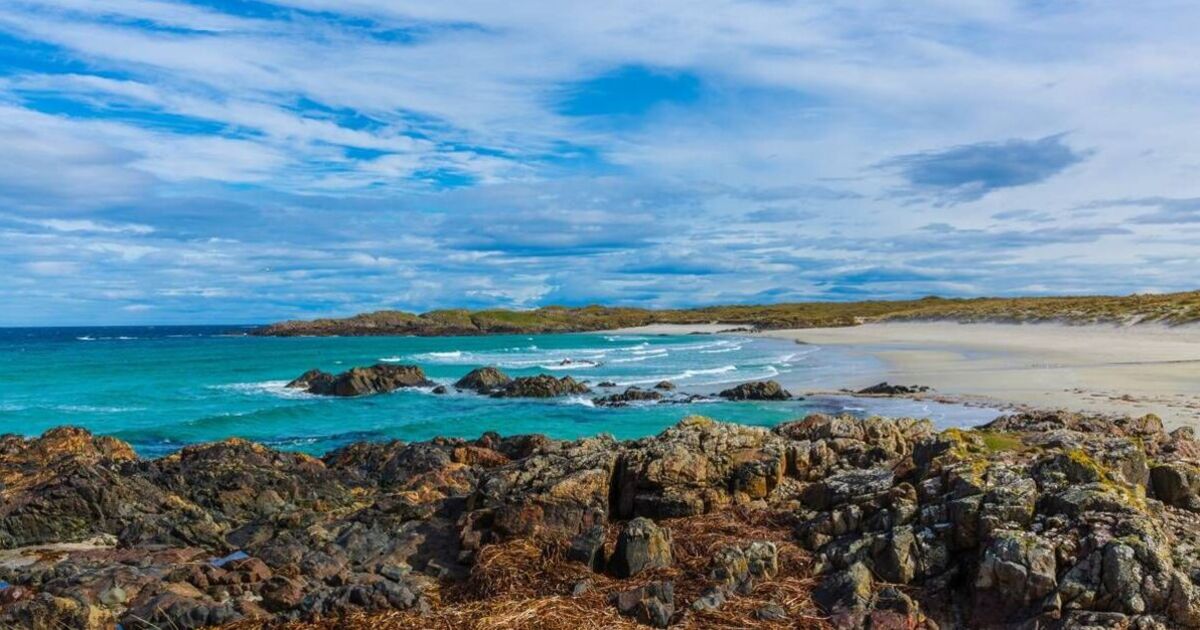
x=242, y=161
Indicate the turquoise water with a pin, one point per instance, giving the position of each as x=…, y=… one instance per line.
x=161, y=388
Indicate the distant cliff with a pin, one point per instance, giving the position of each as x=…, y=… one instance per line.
x=1171, y=309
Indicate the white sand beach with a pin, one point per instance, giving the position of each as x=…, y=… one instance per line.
x=1110, y=369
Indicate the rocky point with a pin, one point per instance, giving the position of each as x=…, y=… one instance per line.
x=1039, y=520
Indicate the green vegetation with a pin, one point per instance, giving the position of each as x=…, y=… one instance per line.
x=1171, y=309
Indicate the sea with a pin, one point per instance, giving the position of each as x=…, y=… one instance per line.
x=164, y=387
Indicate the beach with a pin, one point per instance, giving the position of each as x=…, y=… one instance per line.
x=1100, y=368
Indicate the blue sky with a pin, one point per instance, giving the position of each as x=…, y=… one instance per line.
x=245, y=161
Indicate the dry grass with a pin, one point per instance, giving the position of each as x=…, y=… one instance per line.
x=526, y=585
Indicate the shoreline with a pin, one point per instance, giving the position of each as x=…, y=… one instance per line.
x=1109, y=369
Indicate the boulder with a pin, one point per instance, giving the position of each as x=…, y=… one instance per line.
x=361, y=381
x=652, y=604
x=587, y=548
x=1177, y=484
x=641, y=545
x=849, y=589
x=757, y=390
x=483, y=380
x=666, y=386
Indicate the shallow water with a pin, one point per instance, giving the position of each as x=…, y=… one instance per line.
x=163, y=387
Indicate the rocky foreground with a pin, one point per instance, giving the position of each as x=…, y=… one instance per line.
x=1048, y=520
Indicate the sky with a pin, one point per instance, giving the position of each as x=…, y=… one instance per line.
x=222, y=161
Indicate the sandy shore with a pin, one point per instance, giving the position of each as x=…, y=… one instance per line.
x=1127, y=370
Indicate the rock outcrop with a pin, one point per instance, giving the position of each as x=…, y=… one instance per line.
x=540, y=386
x=887, y=389
x=630, y=395
x=360, y=381
x=1049, y=520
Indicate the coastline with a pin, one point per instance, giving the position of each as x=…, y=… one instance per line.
x=1124, y=370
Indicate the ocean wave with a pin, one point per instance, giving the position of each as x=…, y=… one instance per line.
x=682, y=376
x=722, y=350
x=85, y=338
x=770, y=372
x=278, y=389
x=391, y=359
x=644, y=357
x=95, y=409
x=578, y=400
x=573, y=365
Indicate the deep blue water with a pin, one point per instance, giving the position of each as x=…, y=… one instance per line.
x=162, y=387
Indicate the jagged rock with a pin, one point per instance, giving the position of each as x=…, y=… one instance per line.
x=630, y=395
x=607, y=384
x=560, y=489
x=540, y=386
x=360, y=381
x=1018, y=570
x=771, y=612
x=737, y=569
x=666, y=386
x=641, y=545
x=887, y=389
x=483, y=380
x=758, y=390
x=854, y=485
x=1177, y=484
x=713, y=598
x=652, y=604
x=849, y=589
x=587, y=548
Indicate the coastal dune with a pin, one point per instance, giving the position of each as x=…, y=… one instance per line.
x=1132, y=369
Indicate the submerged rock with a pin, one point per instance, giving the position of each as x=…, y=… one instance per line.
x=377, y=379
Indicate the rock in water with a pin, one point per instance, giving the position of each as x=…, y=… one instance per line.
x=887, y=389
x=642, y=545
x=541, y=386
x=377, y=379
x=666, y=386
x=631, y=394
x=758, y=390
x=483, y=380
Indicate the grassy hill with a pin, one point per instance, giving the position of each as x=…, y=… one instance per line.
x=1170, y=309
